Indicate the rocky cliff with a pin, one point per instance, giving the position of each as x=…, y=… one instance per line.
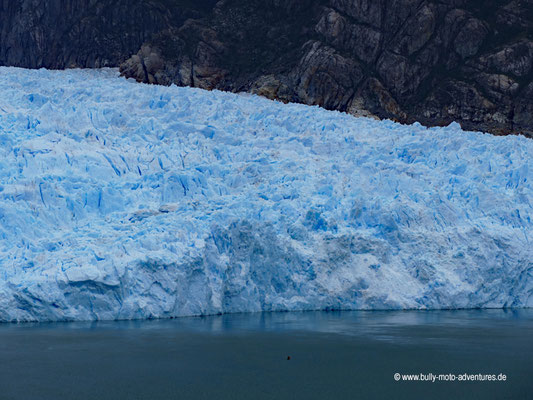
x=410, y=60
x=85, y=33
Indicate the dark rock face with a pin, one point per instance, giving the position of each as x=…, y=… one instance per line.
x=85, y=33
x=432, y=61
x=409, y=60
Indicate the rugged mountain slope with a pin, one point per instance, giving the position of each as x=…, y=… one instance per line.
x=85, y=33
x=428, y=61
x=410, y=60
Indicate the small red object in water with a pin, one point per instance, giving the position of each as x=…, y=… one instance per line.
x=288, y=357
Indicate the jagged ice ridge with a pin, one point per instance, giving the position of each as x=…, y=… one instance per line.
x=120, y=200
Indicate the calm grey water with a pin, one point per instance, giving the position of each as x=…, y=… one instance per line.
x=334, y=355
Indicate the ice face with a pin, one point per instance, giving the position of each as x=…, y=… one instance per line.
x=120, y=200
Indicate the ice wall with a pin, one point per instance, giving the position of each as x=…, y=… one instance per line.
x=122, y=200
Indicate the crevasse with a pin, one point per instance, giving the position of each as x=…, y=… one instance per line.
x=120, y=200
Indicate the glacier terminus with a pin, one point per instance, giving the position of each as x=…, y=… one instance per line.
x=121, y=200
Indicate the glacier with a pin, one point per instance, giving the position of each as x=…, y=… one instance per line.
x=121, y=200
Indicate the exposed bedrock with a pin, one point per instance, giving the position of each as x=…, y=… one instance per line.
x=409, y=60
x=85, y=33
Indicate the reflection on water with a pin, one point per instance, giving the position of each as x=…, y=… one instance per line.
x=333, y=355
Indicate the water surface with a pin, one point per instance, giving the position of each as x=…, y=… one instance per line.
x=333, y=355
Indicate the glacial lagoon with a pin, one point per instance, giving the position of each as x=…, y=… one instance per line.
x=333, y=355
